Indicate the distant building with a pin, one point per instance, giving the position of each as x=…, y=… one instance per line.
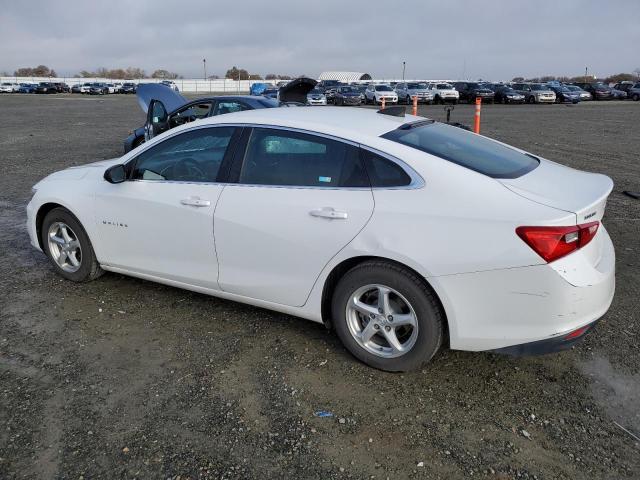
x=345, y=77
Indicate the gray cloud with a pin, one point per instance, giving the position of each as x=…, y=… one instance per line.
x=447, y=39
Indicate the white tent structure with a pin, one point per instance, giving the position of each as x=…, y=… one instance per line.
x=345, y=77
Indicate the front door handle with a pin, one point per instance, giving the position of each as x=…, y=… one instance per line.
x=195, y=202
x=329, y=212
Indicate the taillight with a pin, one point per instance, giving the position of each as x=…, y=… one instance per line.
x=552, y=243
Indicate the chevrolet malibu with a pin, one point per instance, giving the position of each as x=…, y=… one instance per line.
x=402, y=233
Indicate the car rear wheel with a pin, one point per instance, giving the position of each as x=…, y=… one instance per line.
x=387, y=317
x=531, y=99
x=68, y=247
x=635, y=97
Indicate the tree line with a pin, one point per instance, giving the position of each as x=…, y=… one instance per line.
x=129, y=73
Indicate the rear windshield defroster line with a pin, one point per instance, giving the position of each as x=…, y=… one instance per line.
x=464, y=148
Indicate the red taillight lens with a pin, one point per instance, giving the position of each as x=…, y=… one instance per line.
x=552, y=243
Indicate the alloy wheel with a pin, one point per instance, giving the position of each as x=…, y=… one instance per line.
x=64, y=247
x=382, y=321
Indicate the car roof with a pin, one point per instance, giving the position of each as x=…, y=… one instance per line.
x=347, y=123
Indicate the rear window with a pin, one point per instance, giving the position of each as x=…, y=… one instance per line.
x=465, y=148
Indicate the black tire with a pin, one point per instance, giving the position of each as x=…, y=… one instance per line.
x=531, y=99
x=430, y=318
x=89, y=266
x=635, y=97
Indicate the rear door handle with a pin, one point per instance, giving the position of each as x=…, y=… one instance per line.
x=195, y=202
x=328, y=212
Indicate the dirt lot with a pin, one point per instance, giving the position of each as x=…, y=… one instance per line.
x=122, y=378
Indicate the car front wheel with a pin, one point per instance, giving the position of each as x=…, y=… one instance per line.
x=68, y=247
x=387, y=317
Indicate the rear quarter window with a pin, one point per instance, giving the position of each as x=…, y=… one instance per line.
x=464, y=148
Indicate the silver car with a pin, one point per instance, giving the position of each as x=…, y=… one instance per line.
x=535, y=92
x=316, y=97
x=634, y=92
x=584, y=95
x=407, y=90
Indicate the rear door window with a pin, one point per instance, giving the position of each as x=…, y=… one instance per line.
x=286, y=158
x=466, y=149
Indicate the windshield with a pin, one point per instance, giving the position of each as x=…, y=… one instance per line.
x=466, y=149
x=417, y=86
x=444, y=86
x=316, y=91
x=383, y=88
x=348, y=90
x=537, y=86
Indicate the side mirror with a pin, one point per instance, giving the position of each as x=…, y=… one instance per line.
x=115, y=174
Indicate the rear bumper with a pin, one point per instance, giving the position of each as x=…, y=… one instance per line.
x=496, y=309
x=549, y=345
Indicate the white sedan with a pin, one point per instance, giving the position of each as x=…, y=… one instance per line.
x=401, y=233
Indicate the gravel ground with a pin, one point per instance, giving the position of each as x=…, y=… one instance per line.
x=123, y=378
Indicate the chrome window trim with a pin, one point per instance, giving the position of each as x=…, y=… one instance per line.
x=416, y=180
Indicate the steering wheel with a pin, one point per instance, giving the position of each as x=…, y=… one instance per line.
x=184, y=169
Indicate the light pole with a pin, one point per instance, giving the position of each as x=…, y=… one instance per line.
x=204, y=67
x=586, y=69
x=404, y=64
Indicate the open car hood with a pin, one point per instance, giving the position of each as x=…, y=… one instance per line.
x=157, y=91
x=296, y=90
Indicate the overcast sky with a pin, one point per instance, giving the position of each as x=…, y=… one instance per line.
x=490, y=39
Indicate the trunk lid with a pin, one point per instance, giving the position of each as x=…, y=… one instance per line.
x=554, y=185
x=296, y=90
x=157, y=91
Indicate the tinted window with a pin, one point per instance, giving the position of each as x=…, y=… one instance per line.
x=278, y=157
x=229, y=106
x=383, y=172
x=193, y=156
x=465, y=148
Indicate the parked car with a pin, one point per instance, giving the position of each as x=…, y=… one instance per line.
x=618, y=94
x=407, y=90
x=444, y=93
x=564, y=94
x=624, y=86
x=506, y=94
x=128, y=87
x=376, y=92
x=46, y=87
x=362, y=88
x=634, y=92
x=598, y=90
x=62, y=87
x=535, y=92
x=496, y=269
x=81, y=88
x=270, y=92
x=347, y=95
x=27, y=87
x=258, y=88
x=7, y=87
x=118, y=87
x=469, y=91
x=98, y=88
x=172, y=85
x=316, y=97
x=584, y=95
x=166, y=109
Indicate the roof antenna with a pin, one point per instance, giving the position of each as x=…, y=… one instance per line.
x=396, y=111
